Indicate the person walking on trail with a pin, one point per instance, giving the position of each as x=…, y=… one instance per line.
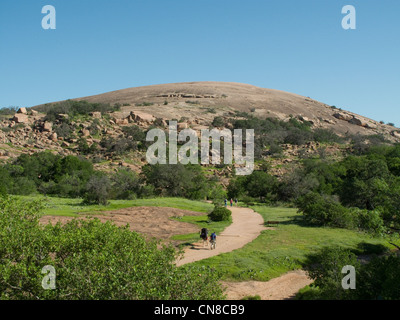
x=204, y=236
x=236, y=202
x=213, y=240
x=231, y=202
x=226, y=202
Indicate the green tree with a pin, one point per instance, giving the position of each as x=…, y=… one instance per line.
x=98, y=189
x=92, y=260
x=325, y=268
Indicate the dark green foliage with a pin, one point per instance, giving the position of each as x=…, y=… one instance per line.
x=63, y=129
x=73, y=108
x=326, y=135
x=220, y=214
x=8, y=110
x=125, y=184
x=323, y=210
x=258, y=184
x=325, y=268
x=85, y=149
x=218, y=122
x=133, y=139
x=118, y=146
x=46, y=173
x=92, y=260
x=377, y=279
x=177, y=180
x=98, y=190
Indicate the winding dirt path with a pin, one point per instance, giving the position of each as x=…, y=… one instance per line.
x=247, y=226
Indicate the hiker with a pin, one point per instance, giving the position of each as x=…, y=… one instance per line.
x=236, y=202
x=213, y=240
x=204, y=236
x=226, y=202
x=231, y=202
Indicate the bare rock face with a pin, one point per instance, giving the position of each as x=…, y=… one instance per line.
x=182, y=125
x=121, y=121
x=85, y=133
x=396, y=134
x=20, y=118
x=343, y=116
x=53, y=137
x=142, y=117
x=47, y=126
x=22, y=110
x=96, y=114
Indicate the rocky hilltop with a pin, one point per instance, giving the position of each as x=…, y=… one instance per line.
x=193, y=104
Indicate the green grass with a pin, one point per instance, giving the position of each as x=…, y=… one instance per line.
x=286, y=248
x=201, y=222
x=75, y=207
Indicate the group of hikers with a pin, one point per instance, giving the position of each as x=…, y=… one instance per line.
x=226, y=202
x=212, y=238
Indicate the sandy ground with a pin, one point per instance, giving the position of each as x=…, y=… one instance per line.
x=152, y=222
x=284, y=287
x=246, y=226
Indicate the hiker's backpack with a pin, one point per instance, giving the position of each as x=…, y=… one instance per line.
x=204, y=233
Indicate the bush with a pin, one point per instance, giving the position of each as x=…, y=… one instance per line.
x=325, y=268
x=98, y=190
x=370, y=221
x=322, y=210
x=218, y=122
x=125, y=184
x=73, y=108
x=220, y=214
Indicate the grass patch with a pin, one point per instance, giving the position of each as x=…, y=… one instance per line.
x=278, y=251
x=201, y=222
x=75, y=208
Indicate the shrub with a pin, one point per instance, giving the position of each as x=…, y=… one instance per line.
x=97, y=190
x=218, y=122
x=73, y=108
x=220, y=214
x=370, y=221
x=325, y=268
x=322, y=210
x=125, y=184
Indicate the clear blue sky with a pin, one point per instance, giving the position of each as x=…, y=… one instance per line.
x=292, y=45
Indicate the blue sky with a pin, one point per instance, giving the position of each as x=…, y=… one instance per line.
x=291, y=45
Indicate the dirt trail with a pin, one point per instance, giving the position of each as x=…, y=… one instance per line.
x=246, y=226
x=284, y=287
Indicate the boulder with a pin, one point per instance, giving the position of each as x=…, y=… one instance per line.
x=182, y=125
x=395, y=134
x=358, y=121
x=20, y=118
x=62, y=116
x=53, y=137
x=22, y=110
x=85, y=133
x=96, y=114
x=47, y=126
x=121, y=121
x=343, y=116
x=142, y=117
